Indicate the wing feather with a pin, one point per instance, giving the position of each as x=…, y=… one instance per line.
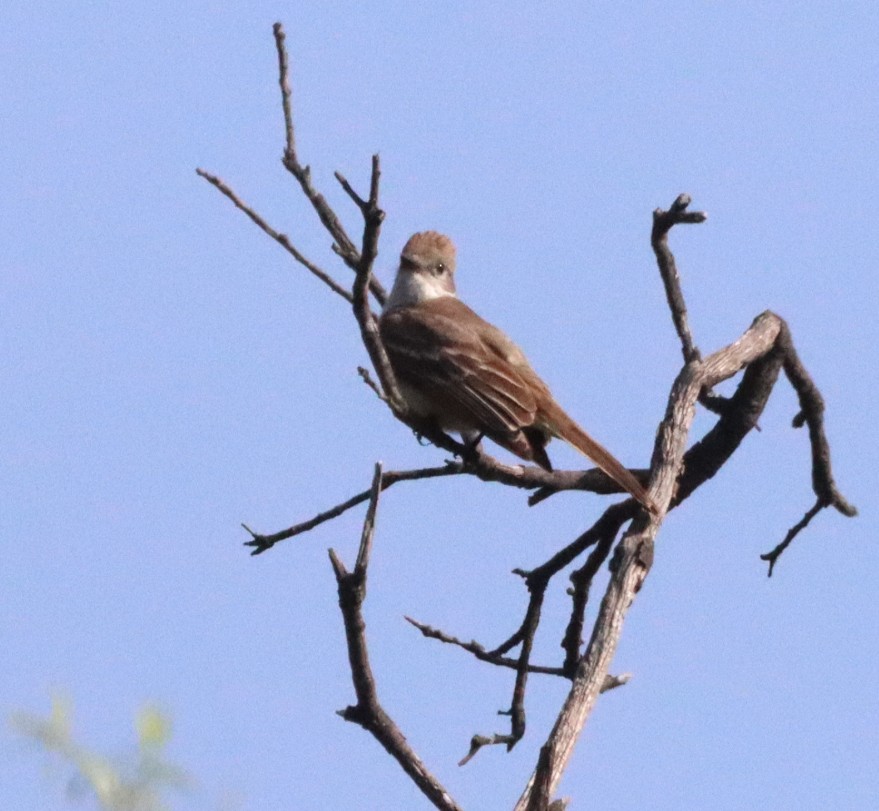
x=439, y=349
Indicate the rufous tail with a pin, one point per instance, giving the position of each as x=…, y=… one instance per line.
x=562, y=426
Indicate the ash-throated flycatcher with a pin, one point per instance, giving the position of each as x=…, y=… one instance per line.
x=466, y=375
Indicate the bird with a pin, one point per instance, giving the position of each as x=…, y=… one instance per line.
x=463, y=374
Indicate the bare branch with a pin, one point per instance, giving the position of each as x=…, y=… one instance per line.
x=261, y=543
x=529, y=631
x=812, y=414
x=739, y=416
x=478, y=741
x=662, y=224
x=362, y=204
x=284, y=82
x=372, y=221
x=369, y=523
x=368, y=712
x=342, y=243
x=634, y=554
x=282, y=239
x=480, y=652
x=792, y=533
x=480, y=465
x=581, y=580
x=366, y=377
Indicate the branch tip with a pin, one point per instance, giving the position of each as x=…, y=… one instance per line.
x=612, y=682
x=367, y=378
x=362, y=204
x=284, y=82
x=338, y=567
x=260, y=543
x=369, y=522
x=773, y=556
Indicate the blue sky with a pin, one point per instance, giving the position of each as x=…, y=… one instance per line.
x=170, y=373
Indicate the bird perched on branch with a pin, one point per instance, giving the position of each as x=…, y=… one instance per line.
x=461, y=372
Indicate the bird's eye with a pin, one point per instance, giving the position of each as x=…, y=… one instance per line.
x=440, y=268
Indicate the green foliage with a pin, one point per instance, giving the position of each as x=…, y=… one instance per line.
x=134, y=783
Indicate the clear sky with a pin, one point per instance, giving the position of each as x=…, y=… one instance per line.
x=169, y=372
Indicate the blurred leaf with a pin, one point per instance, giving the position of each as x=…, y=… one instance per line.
x=153, y=727
x=135, y=783
x=54, y=732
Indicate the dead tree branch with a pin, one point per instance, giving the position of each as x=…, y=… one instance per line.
x=764, y=349
x=282, y=239
x=480, y=652
x=368, y=711
x=634, y=555
x=663, y=221
x=761, y=351
x=342, y=243
x=260, y=543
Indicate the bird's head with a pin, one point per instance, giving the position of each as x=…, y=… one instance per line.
x=427, y=270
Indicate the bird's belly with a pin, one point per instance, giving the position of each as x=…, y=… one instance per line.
x=449, y=415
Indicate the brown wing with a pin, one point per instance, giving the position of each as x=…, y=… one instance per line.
x=460, y=363
x=444, y=350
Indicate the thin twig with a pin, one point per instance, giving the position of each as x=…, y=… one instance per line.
x=372, y=221
x=517, y=705
x=518, y=635
x=478, y=741
x=284, y=82
x=480, y=652
x=369, y=523
x=303, y=173
x=792, y=533
x=362, y=204
x=581, y=580
x=663, y=221
x=343, y=245
x=366, y=377
x=260, y=543
x=282, y=239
